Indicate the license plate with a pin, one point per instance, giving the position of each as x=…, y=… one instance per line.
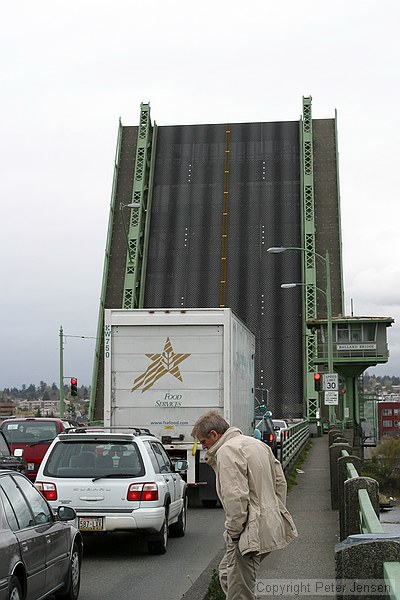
x=90, y=523
x=31, y=466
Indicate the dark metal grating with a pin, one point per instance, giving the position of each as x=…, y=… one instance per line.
x=327, y=214
x=184, y=264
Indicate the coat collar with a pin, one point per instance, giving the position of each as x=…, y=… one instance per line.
x=210, y=456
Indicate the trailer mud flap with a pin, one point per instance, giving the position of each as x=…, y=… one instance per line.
x=207, y=475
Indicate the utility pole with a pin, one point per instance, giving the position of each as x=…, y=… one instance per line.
x=61, y=373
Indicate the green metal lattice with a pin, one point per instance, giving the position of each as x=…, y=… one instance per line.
x=309, y=256
x=139, y=212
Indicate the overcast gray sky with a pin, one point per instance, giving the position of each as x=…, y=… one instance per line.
x=70, y=69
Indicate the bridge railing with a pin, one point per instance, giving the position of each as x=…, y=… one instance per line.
x=296, y=438
x=366, y=554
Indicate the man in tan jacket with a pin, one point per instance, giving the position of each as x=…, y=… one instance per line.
x=252, y=489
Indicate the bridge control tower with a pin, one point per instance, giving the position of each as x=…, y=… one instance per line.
x=357, y=344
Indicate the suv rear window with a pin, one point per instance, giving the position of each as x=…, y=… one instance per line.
x=94, y=458
x=281, y=424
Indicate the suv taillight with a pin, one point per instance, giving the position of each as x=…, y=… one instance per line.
x=142, y=491
x=48, y=490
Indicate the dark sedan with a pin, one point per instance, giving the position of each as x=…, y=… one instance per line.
x=40, y=554
x=10, y=461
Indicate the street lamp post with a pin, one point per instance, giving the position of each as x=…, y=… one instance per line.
x=61, y=373
x=328, y=295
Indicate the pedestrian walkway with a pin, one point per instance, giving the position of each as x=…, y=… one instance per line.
x=311, y=556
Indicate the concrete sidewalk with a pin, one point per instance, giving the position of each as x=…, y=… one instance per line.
x=311, y=556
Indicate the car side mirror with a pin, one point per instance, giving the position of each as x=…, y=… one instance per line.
x=181, y=466
x=18, y=452
x=66, y=513
x=276, y=428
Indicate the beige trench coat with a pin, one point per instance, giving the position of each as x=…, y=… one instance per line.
x=252, y=489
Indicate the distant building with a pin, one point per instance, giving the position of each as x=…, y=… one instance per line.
x=7, y=408
x=46, y=407
x=389, y=418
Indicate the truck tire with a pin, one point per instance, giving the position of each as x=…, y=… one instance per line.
x=178, y=529
x=158, y=544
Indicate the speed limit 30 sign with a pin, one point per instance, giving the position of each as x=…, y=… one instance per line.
x=330, y=382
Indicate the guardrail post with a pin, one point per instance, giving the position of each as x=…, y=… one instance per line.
x=331, y=435
x=344, y=509
x=351, y=513
x=335, y=451
x=359, y=564
x=341, y=440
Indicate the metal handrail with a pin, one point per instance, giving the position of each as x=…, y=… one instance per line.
x=391, y=575
x=351, y=470
x=298, y=435
x=369, y=522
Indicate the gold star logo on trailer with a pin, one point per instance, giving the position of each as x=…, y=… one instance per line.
x=166, y=362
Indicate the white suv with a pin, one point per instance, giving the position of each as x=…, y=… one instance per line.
x=116, y=481
x=281, y=428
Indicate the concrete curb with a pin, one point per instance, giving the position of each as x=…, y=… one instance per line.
x=199, y=590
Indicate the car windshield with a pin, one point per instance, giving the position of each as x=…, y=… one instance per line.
x=95, y=459
x=29, y=432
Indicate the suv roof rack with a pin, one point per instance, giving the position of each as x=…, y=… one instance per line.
x=111, y=428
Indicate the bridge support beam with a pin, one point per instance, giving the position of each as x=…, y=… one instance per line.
x=313, y=410
x=139, y=212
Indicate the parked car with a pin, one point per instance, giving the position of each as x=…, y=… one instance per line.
x=33, y=435
x=264, y=424
x=40, y=553
x=8, y=460
x=129, y=483
x=281, y=429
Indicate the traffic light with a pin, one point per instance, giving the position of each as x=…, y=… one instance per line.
x=317, y=382
x=74, y=386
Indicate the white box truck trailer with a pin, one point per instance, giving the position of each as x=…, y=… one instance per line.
x=166, y=367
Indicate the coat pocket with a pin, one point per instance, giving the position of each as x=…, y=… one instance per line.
x=289, y=526
x=250, y=539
